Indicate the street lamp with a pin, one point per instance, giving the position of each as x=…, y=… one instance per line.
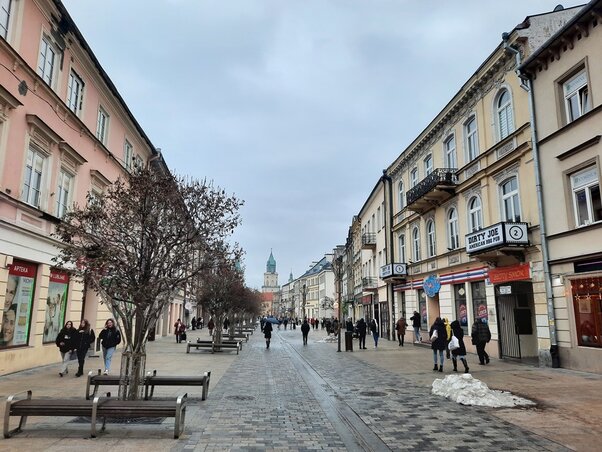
x=339, y=275
x=304, y=294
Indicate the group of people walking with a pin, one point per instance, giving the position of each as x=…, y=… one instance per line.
x=74, y=343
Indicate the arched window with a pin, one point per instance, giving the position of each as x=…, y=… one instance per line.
x=471, y=142
x=475, y=214
x=428, y=165
x=430, y=238
x=401, y=196
x=452, y=229
x=416, y=243
x=414, y=177
x=510, y=200
x=505, y=117
x=402, y=248
x=451, y=160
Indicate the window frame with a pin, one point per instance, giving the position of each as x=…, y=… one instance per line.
x=36, y=193
x=46, y=45
x=471, y=138
x=586, y=188
x=450, y=152
x=453, y=229
x=506, y=110
x=416, y=251
x=75, y=78
x=401, y=243
x=504, y=197
x=431, y=241
x=428, y=165
x=414, y=177
x=579, y=90
x=475, y=213
x=63, y=202
x=401, y=195
x=5, y=25
x=128, y=154
x=102, y=125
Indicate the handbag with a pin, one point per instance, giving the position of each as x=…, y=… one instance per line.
x=454, y=343
x=183, y=336
x=435, y=335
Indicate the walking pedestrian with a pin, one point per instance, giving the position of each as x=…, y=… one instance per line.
x=305, y=331
x=480, y=336
x=401, y=330
x=361, y=331
x=226, y=323
x=374, y=331
x=110, y=338
x=317, y=323
x=459, y=352
x=285, y=322
x=210, y=326
x=448, y=335
x=349, y=325
x=66, y=342
x=193, y=323
x=177, y=329
x=85, y=337
x=416, y=325
x=438, y=341
x=267, y=333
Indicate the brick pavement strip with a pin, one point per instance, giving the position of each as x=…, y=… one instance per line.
x=263, y=400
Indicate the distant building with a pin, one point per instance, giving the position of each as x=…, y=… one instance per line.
x=270, y=289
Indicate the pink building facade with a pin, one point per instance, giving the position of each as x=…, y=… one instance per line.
x=64, y=132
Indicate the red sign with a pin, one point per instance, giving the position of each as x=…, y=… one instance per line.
x=367, y=299
x=19, y=268
x=518, y=272
x=59, y=277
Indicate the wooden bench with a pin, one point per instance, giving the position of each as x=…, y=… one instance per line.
x=153, y=380
x=103, y=408
x=102, y=380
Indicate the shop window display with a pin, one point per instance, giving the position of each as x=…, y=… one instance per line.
x=587, y=303
x=16, y=312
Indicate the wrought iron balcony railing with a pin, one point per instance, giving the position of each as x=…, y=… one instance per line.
x=433, y=189
x=369, y=282
x=368, y=240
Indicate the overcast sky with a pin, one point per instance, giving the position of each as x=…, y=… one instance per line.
x=295, y=106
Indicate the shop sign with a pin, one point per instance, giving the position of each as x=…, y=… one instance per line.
x=389, y=270
x=518, y=272
x=505, y=290
x=498, y=235
x=17, y=304
x=367, y=299
x=431, y=285
x=56, y=304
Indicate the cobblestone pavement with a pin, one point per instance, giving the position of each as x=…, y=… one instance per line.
x=292, y=397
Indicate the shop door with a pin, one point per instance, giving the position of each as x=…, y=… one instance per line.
x=509, y=339
x=384, y=321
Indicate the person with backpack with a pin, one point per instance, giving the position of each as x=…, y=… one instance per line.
x=460, y=350
x=110, y=338
x=66, y=342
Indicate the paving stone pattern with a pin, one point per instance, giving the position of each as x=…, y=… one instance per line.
x=263, y=404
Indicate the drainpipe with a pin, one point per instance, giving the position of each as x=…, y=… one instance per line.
x=545, y=357
x=389, y=248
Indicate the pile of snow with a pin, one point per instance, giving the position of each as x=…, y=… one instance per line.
x=466, y=390
x=329, y=339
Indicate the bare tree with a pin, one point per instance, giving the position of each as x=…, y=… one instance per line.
x=140, y=244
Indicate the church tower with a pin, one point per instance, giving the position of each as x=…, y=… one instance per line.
x=270, y=277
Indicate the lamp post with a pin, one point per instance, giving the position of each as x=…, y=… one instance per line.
x=339, y=275
x=304, y=295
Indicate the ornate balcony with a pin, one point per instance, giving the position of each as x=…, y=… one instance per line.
x=368, y=240
x=433, y=190
x=369, y=283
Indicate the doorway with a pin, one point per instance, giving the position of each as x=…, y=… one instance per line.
x=514, y=304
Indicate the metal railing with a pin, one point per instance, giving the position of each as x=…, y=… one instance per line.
x=440, y=176
x=368, y=239
x=369, y=282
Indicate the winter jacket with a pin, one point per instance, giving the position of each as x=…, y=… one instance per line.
x=373, y=327
x=361, y=327
x=401, y=326
x=448, y=330
x=267, y=330
x=305, y=328
x=415, y=320
x=211, y=324
x=441, y=342
x=68, y=338
x=110, y=337
x=480, y=332
x=459, y=333
x=84, y=339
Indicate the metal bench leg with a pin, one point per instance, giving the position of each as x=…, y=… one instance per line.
x=93, y=420
x=8, y=433
x=180, y=416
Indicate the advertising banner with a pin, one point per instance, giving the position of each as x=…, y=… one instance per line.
x=56, y=304
x=16, y=313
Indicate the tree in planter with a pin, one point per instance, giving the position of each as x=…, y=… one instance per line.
x=244, y=305
x=140, y=244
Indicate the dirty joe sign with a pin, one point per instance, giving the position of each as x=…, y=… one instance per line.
x=497, y=235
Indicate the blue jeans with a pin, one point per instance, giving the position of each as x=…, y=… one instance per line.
x=107, y=354
x=440, y=356
x=375, y=336
x=416, y=334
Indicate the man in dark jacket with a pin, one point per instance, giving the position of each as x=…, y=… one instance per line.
x=361, y=331
x=305, y=331
x=480, y=336
x=416, y=325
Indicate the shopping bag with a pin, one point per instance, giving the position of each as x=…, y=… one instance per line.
x=454, y=343
x=435, y=335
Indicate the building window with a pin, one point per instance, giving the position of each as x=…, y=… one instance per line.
x=102, y=126
x=32, y=183
x=64, y=191
x=452, y=229
x=416, y=243
x=18, y=302
x=428, y=165
x=402, y=247
x=378, y=219
x=46, y=61
x=128, y=153
x=414, y=177
x=587, y=303
x=461, y=309
x=479, y=301
x=451, y=161
x=471, y=143
x=510, y=201
x=75, y=92
x=430, y=238
x=586, y=196
x=401, y=195
x=576, y=96
x=475, y=214
x=505, y=118
x=4, y=17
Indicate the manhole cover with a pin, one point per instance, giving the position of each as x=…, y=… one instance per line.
x=240, y=397
x=373, y=394
x=120, y=420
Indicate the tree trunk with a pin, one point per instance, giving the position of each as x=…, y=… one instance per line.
x=133, y=366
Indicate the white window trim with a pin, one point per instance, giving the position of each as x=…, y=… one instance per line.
x=63, y=207
x=453, y=228
x=416, y=251
x=583, y=109
x=472, y=211
x=585, y=186
x=9, y=18
x=497, y=110
x=449, y=138
x=102, y=132
x=128, y=154
x=42, y=72
x=467, y=155
x=414, y=180
x=402, y=245
x=431, y=239
x=400, y=195
x=503, y=197
x=74, y=76
x=428, y=169
x=41, y=189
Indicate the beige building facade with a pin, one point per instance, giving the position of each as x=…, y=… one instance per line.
x=566, y=79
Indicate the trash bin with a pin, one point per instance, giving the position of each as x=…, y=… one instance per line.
x=348, y=341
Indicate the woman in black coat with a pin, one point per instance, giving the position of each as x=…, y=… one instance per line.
x=267, y=333
x=438, y=337
x=85, y=337
x=66, y=342
x=459, y=352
